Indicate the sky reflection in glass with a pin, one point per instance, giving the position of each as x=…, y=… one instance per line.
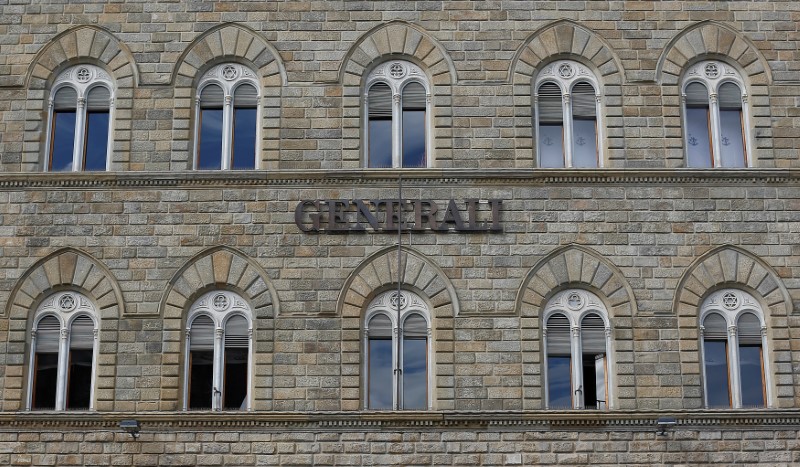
x=96, y=141
x=752, y=375
x=415, y=382
x=380, y=374
x=413, y=138
x=559, y=388
x=380, y=142
x=716, y=363
x=63, y=140
x=244, y=138
x=210, y=155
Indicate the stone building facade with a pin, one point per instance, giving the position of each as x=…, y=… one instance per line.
x=495, y=246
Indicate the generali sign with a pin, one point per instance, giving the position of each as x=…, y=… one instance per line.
x=391, y=215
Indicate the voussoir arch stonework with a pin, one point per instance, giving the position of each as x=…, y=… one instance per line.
x=575, y=266
x=380, y=270
x=230, y=41
x=219, y=267
x=565, y=39
x=708, y=39
x=397, y=38
x=730, y=266
x=64, y=269
x=81, y=44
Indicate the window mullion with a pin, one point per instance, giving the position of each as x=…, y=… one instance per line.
x=95, y=357
x=733, y=368
x=397, y=131
x=397, y=373
x=227, y=132
x=567, y=125
x=216, y=391
x=63, y=361
x=79, y=149
x=577, y=368
x=716, y=130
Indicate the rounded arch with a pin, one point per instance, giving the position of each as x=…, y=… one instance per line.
x=80, y=44
x=379, y=270
x=565, y=39
x=575, y=266
x=397, y=38
x=708, y=39
x=733, y=266
x=63, y=269
x=226, y=41
x=219, y=267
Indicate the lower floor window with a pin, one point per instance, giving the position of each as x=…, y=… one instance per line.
x=397, y=348
x=218, y=356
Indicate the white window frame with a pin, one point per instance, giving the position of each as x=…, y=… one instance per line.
x=721, y=303
x=397, y=74
x=82, y=78
x=566, y=74
x=220, y=310
x=713, y=74
x=228, y=76
x=65, y=306
x=575, y=304
x=386, y=304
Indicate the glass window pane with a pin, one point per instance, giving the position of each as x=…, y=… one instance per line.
x=414, y=138
x=80, y=379
x=559, y=387
x=415, y=373
x=731, y=140
x=244, y=138
x=380, y=374
x=96, y=151
x=63, y=140
x=584, y=147
x=209, y=156
x=380, y=142
x=698, y=142
x=235, y=392
x=751, y=371
x=201, y=371
x=44, y=381
x=551, y=145
x=716, y=365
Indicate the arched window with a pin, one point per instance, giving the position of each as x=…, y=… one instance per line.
x=227, y=118
x=715, y=116
x=80, y=116
x=567, y=101
x=63, y=353
x=577, y=340
x=733, y=336
x=397, y=348
x=219, y=353
x=397, y=106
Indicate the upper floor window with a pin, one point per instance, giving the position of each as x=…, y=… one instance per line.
x=733, y=336
x=715, y=116
x=397, y=106
x=577, y=341
x=218, y=356
x=397, y=352
x=567, y=104
x=79, y=124
x=63, y=356
x=227, y=116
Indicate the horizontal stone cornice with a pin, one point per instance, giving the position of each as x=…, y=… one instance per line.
x=403, y=421
x=415, y=177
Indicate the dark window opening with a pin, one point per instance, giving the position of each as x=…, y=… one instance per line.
x=235, y=392
x=201, y=379
x=79, y=379
x=45, y=381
